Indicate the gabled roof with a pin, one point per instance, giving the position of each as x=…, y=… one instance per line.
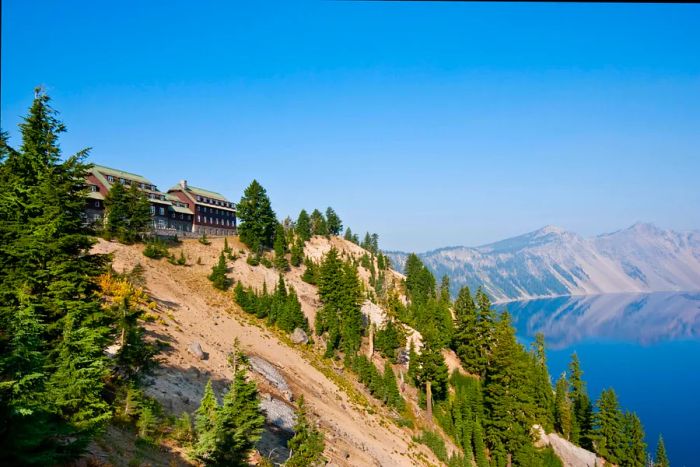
x=200, y=191
x=121, y=174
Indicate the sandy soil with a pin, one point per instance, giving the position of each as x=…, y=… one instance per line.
x=191, y=310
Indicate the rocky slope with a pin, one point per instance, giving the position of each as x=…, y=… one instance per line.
x=358, y=430
x=553, y=262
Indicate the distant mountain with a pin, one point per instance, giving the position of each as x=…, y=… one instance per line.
x=553, y=262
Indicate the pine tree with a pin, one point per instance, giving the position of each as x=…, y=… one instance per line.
x=608, y=430
x=660, y=458
x=218, y=274
x=431, y=373
x=563, y=408
x=340, y=293
x=52, y=368
x=583, y=409
x=348, y=235
x=466, y=338
x=486, y=328
x=307, y=444
x=127, y=213
x=635, y=449
x=257, y=220
x=303, y=226
x=280, y=246
x=479, y=446
x=319, y=226
x=391, y=389
x=205, y=425
x=508, y=402
x=333, y=222
x=239, y=421
x=541, y=383
x=297, y=252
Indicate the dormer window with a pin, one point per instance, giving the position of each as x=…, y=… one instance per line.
x=110, y=178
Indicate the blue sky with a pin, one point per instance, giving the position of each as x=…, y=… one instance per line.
x=432, y=124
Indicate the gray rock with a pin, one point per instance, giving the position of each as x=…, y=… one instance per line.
x=268, y=371
x=299, y=336
x=196, y=350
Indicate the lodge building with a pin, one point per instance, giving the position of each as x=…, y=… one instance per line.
x=183, y=209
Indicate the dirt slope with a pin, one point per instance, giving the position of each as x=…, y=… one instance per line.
x=358, y=432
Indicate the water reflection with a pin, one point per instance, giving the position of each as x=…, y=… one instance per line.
x=639, y=318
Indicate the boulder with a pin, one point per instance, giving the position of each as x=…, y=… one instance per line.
x=196, y=350
x=299, y=336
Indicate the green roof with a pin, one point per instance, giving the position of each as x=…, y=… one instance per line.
x=121, y=174
x=200, y=192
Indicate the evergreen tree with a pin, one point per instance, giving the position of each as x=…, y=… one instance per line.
x=391, y=389
x=466, y=338
x=348, y=235
x=205, y=425
x=583, y=409
x=239, y=422
x=660, y=458
x=257, y=220
x=303, y=226
x=431, y=373
x=319, y=226
x=307, y=444
x=563, y=408
x=479, y=446
x=486, y=328
x=608, y=430
x=297, y=252
x=541, y=383
x=127, y=213
x=389, y=339
x=635, y=450
x=333, y=222
x=508, y=402
x=218, y=274
x=341, y=295
x=280, y=246
x=52, y=366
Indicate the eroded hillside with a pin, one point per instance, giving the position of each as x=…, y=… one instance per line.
x=358, y=430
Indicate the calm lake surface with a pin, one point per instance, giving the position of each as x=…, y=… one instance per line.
x=647, y=347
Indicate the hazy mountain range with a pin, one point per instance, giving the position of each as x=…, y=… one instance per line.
x=553, y=262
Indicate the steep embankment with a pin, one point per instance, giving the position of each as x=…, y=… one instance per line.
x=358, y=430
x=553, y=262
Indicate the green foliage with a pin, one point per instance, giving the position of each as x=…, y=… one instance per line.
x=340, y=317
x=135, y=357
x=205, y=423
x=435, y=443
x=333, y=222
x=392, y=396
x=389, y=339
x=155, y=249
x=319, y=226
x=310, y=275
x=280, y=246
x=146, y=423
x=257, y=220
x=218, y=274
x=635, y=449
x=661, y=458
x=303, y=226
x=582, y=425
x=541, y=383
x=608, y=433
x=53, y=331
x=127, y=213
x=282, y=308
x=297, y=252
x=203, y=239
x=429, y=366
x=563, y=408
x=307, y=444
x=183, y=430
x=508, y=399
x=370, y=243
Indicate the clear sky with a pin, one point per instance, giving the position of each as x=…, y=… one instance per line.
x=431, y=124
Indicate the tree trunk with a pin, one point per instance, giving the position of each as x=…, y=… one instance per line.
x=371, y=341
x=429, y=401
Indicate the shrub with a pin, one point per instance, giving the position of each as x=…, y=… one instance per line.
x=155, y=249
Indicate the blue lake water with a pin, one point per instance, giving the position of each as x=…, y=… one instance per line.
x=647, y=347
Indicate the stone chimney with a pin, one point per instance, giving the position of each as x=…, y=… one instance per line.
x=183, y=184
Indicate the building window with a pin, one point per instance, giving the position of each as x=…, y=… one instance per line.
x=110, y=178
x=199, y=218
x=153, y=209
x=162, y=211
x=97, y=204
